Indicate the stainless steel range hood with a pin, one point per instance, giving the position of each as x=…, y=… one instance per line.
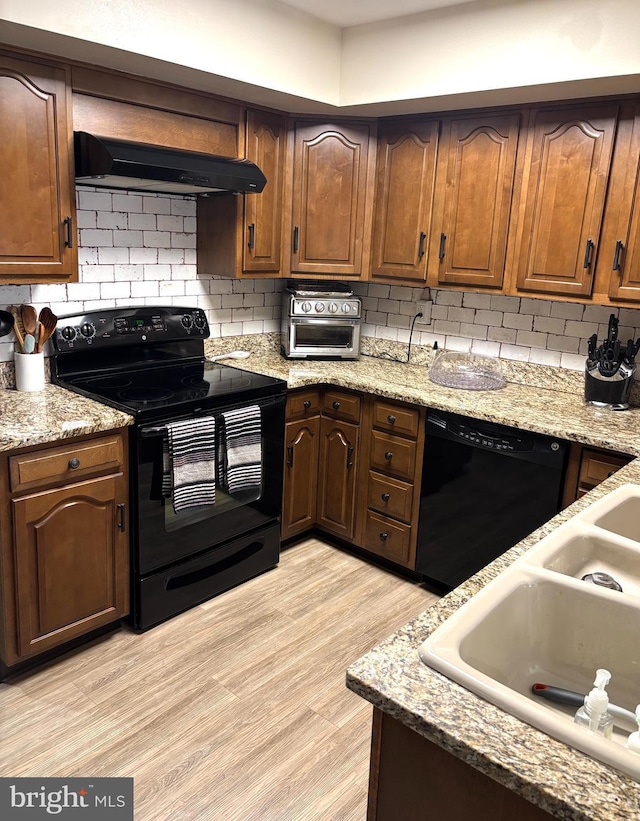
x=109, y=163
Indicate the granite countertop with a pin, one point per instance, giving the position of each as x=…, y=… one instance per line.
x=564, y=782
x=51, y=415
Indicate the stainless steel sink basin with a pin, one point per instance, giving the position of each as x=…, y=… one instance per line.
x=539, y=622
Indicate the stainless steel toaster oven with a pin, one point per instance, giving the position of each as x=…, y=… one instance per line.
x=320, y=320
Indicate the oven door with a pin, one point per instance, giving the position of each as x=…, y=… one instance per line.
x=161, y=536
x=312, y=336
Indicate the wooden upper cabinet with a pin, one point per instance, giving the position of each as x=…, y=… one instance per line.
x=564, y=187
x=404, y=200
x=37, y=206
x=478, y=160
x=330, y=207
x=265, y=146
x=620, y=246
x=242, y=235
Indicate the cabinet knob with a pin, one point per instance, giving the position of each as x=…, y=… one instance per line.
x=384, y=537
x=391, y=419
x=388, y=456
x=74, y=463
x=335, y=405
x=385, y=497
x=306, y=404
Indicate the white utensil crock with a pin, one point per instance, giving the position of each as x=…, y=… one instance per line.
x=29, y=371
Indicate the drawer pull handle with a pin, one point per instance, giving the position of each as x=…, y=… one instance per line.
x=306, y=404
x=335, y=405
x=423, y=236
x=350, y=457
x=388, y=456
x=74, y=463
x=296, y=234
x=290, y=456
x=443, y=239
x=391, y=419
x=384, y=537
x=385, y=497
x=616, y=257
x=252, y=236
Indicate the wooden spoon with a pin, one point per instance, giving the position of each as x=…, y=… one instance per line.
x=48, y=321
x=18, y=328
x=29, y=319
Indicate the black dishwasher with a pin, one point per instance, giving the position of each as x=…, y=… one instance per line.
x=484, y=488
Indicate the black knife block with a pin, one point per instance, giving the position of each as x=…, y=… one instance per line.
x=602, y=390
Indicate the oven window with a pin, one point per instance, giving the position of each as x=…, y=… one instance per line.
x=321, y=335
x=225, y=502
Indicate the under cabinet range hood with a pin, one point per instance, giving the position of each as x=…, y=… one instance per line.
x=109, y=163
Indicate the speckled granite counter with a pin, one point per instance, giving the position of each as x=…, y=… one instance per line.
x=564, y=782
x=50, y=415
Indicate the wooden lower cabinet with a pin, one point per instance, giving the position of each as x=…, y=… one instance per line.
x=321, y=452
x=65, y=560
x=302, y=439
x=389, y=499
x=588, y=467
x=337, y=481
x=413, y=779
x=352, y=469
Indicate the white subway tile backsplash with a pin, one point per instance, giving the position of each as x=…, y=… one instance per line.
x=566, y=310
x=493, y=317
x=143, y=256
x=155, y=239
x=535, y=307
x=111, y=219
x=521, y=322
x=170, y=223
x=94, y=200
x=128, y=202
x=453, y=298
x=143, y=222
x=95, y=237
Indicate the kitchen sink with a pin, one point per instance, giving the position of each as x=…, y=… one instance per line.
x=538, y=622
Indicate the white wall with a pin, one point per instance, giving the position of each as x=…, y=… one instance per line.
x=259, y=42
x=264, y=51
x=486, y=46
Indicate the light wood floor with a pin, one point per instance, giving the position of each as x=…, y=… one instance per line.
x=234, y=711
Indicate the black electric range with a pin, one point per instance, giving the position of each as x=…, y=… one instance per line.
x=149, y=362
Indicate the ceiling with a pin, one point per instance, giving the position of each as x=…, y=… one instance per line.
x=344, y=13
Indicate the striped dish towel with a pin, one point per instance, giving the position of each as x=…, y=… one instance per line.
x=241, y=443
x=192, y=452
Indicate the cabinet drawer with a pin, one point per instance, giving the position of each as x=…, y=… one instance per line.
x=595, y=466
x=303, y=403
x=341, y=405
x=390, y=496
x=391, y=454
x=394, y=418
x=67, y=463
x=387, y=538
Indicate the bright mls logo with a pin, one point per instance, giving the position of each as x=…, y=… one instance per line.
x=24, y=799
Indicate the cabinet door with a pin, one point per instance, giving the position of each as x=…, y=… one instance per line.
x=302, y=441
x=479, y=158
x=622, y=256
x=37, y=206
x=72, y=561
x=404, y=201
x=564, y=187
x=265, y=146
x=337, y=481
x=329, y=198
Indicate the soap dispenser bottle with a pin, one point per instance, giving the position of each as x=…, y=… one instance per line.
x=633, y=742
x=593, y=714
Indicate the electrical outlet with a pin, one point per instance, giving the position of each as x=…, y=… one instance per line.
x=423, y=306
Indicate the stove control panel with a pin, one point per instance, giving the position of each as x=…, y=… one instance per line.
x=128, y=326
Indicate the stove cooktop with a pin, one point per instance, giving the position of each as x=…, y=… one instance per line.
x=173, y=389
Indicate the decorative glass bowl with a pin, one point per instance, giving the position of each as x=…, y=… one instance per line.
x=468, y=371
